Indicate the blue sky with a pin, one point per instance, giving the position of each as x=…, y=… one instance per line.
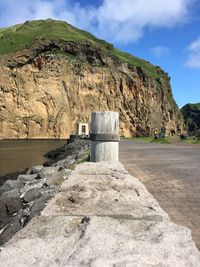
x=166, y=33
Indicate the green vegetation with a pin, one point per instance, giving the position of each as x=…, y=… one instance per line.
x=192, y=106
x=196, y=106
x=150, y=70
x=11, y=29
x=21, y=36
x=166, y=140
x=190, y=140
x=161, y=141
x=191, y=115
x=196, y=141
x=149, y=139
x=85, y=157
x=139, y=139
x=71, y=166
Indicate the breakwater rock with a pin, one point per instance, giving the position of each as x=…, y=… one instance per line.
x=24, y=198
x=73, y=147
x=102, y=216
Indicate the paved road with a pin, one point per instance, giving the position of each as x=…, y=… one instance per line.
x=171, y=173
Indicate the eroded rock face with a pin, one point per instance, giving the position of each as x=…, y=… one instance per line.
x=44, y=92
x=191, y=115
x=102, y=217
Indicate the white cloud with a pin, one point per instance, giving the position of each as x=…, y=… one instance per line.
x=116, y=20
x=193, y=50
x=131, y=17
x=159, y=51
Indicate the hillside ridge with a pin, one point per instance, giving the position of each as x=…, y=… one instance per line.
x=23, y=36
x=191, y=115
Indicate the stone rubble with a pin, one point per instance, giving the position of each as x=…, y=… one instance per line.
x=101, y=217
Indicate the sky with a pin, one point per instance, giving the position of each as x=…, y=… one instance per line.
x=166, y=33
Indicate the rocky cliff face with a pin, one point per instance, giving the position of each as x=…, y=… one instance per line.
x=191, y=115
x=46, y=89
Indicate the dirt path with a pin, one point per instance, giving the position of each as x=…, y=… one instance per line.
x=171, y=173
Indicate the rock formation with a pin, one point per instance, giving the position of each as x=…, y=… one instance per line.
x=50, y=84
x=26, y=197
x=191, y=115
x=101, y=217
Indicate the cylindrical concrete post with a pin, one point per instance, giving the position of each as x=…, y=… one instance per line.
x=104, y=136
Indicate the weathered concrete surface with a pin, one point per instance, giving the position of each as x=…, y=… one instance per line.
x=171, y=173
x=102, y=217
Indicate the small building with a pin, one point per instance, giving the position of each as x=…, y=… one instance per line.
x=83, y=129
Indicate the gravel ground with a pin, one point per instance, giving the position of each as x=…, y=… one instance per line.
x=171, y=173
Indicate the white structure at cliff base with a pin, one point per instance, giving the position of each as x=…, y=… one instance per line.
x=83, y=129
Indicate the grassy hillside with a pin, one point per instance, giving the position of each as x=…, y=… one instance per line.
x=16, y=38
x=191, y=114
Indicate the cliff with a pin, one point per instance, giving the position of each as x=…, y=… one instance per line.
x=54, y=75
x=191, y=115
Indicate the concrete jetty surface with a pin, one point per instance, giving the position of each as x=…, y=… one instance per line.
x=102, y=216
x=171, y=173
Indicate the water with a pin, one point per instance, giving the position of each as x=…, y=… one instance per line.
x=16, y=155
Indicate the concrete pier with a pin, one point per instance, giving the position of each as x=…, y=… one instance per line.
x=102, y=216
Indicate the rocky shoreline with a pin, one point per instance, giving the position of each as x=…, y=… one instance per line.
x=26, y=195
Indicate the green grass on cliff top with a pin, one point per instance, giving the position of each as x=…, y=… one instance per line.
x=192, y=106
x=195, y=106
x=18, y=37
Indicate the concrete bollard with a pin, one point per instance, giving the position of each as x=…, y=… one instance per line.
x=104, y=136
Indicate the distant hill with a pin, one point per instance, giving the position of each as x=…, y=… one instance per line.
x=191, y=115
